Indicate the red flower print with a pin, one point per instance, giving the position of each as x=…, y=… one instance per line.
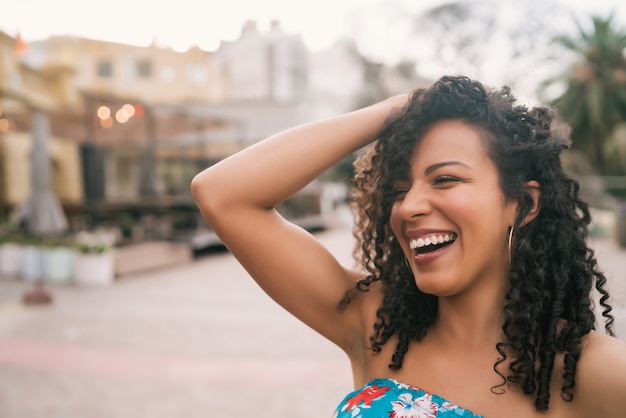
x=366, y=396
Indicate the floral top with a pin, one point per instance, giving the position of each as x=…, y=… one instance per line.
x=388, y=398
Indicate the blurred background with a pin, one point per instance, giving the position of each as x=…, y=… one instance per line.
x=107, y=111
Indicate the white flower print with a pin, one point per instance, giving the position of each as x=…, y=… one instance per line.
x=407, y=407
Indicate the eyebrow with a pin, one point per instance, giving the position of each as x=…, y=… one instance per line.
x=436, y=166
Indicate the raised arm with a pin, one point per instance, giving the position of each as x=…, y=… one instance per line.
x=237, y=197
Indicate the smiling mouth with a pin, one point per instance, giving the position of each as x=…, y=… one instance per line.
x=431, y=243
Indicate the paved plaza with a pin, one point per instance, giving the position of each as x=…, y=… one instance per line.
x=198, y=340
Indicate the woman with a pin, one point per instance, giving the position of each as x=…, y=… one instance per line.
x=476, y=288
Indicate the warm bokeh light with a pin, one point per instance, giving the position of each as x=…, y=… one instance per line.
x=138, y=110
x=121, y=116
x=20, y=46
x=104, y=112
x=129, y=109
x=6, y=125
x=106, y=123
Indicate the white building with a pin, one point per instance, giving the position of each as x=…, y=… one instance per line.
x=260, y=66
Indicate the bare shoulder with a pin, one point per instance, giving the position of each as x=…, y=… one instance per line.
x=601, y=376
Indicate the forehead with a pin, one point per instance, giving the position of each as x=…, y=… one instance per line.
x=452, y=140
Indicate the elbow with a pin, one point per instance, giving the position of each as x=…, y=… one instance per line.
x=197, y=187
x=204, y=194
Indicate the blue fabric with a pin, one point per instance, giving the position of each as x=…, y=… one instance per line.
x=388, y=398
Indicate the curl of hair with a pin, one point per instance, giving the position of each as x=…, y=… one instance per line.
x=548, y=307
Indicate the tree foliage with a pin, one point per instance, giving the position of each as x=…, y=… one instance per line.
x=498, y=42
x=593, y=101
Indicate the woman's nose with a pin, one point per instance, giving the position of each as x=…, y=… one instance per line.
x=416, y=202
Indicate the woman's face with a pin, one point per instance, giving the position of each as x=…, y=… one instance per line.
x=450, y=215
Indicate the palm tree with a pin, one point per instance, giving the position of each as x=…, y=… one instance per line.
x=594, y=99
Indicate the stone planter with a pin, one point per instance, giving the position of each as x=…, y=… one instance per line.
x=10, y=260
x=94, y=269
x=32, y=263
x=59, y=265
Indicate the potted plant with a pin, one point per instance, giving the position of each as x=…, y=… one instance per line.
x=58, y=266
x=32, y=258
x=11, y=249
x=94, y=263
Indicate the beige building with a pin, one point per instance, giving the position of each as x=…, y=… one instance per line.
x=23, y=90
x=150, y=74
x=113, y=109
x=130, y=126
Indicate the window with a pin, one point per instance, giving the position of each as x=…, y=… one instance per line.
x=168, y=74
x=105, y=68
x=197, y=74
x=144, y=68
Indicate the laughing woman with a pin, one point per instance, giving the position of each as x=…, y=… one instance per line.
x=475, y=296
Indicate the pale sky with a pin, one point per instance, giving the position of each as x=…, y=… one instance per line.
x=181, y=23
x=177, y=23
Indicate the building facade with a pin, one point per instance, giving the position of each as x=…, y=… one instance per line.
x=271, y=66
x=130, y=126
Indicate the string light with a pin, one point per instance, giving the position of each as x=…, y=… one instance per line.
x=103, y=112
x=122, y=115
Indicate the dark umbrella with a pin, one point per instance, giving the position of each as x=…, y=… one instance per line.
x=42, y=211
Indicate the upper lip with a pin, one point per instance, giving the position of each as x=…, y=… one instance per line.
x=423, y=232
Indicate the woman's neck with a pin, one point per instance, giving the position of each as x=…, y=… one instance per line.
x=470, y=321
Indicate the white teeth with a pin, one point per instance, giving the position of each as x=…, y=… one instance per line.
x=431, y=240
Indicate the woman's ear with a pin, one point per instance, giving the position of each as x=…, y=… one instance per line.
x=534, y=190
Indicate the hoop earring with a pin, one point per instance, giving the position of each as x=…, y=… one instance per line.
x=510, y=240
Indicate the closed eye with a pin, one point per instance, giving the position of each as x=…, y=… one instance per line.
x=400, y=189
x=443, y=180
x=399, y=193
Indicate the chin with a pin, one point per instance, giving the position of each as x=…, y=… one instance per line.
x=435, y=289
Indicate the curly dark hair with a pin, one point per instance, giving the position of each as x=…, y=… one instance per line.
x=548, y=307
